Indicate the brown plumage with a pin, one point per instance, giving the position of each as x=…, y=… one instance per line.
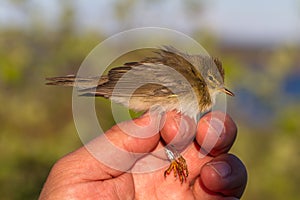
x=171, y=79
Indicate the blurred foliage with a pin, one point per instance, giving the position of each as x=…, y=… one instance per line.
x=36, y=121
x=37, y=126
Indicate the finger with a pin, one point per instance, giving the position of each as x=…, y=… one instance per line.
x=178, y=130
x=119, y=149
x=216, y=133
x=224, y=175
x=114, y=152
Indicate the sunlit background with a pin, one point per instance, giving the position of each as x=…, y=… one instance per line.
x=258, y=42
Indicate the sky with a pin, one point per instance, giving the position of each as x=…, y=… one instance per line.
x=252, y=21
x=266, y=19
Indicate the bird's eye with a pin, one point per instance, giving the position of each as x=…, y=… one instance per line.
x=210, y=78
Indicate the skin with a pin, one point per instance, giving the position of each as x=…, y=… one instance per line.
x=218, y=175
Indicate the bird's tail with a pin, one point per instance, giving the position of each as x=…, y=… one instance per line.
x=78, y=82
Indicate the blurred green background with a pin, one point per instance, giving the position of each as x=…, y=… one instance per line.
x=258, y=42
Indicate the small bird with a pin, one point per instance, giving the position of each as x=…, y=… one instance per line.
x=171, y=79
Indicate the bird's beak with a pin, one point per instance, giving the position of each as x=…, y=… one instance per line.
x=226, y=91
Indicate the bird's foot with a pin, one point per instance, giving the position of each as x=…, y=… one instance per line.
x=179, y=167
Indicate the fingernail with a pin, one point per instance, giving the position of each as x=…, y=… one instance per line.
x=217, y=125
x=222, y=168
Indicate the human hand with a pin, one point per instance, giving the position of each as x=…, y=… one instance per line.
x=216, y=176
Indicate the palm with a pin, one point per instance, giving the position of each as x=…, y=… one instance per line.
x=156, y=186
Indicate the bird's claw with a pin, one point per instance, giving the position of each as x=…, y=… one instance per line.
x=179, y=167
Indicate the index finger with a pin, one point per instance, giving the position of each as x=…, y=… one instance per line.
x=216, y=133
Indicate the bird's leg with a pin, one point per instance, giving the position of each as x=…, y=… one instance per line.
x=178, y=165
x=182, y=163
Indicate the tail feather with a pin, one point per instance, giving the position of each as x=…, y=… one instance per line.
x=78, y=82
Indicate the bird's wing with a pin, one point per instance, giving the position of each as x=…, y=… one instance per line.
x=166, y=74
x=138, y=79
